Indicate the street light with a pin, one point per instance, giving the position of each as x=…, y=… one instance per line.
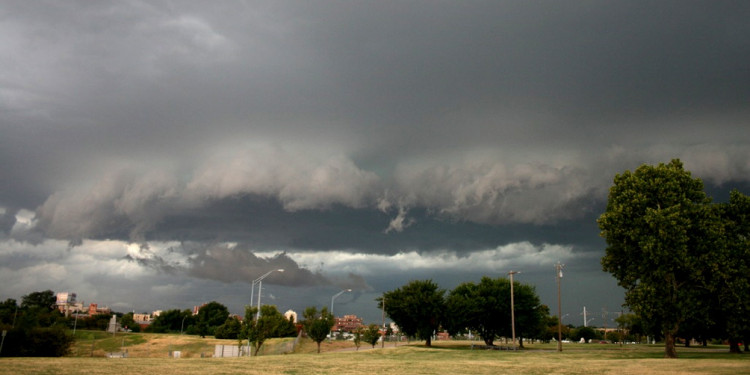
x=559, y=274
x=259, y=281
x=334, y=316
x=512, y=309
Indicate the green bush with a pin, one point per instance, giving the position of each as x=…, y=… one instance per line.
x=37, y=342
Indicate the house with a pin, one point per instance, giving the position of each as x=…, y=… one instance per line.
x=347, y=323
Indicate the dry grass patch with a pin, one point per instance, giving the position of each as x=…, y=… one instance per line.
x=443, y=358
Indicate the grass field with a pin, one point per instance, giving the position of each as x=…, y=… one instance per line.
x=445, y=357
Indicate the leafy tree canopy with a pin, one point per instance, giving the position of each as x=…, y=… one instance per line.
x=661, y=233
x=271, y=323
x=172, y=321
x=317, y=324
x=371, y=334
x=485, y=308
x=229, y=330
x=417, y=308
x=210, y=316
x=41, y=300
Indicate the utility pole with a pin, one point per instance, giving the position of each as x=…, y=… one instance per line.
x=559, y=274
x=585, y=321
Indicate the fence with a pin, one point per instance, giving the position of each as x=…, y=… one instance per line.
x=283, y=346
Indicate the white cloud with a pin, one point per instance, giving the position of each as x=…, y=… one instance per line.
x=299, y=180
x=490, y=260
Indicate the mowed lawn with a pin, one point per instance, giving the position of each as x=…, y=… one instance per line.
x=448, y=357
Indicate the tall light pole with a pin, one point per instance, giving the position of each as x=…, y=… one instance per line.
x=259, y=281
x=512, y=309
x=334, y=316
x=559, y=274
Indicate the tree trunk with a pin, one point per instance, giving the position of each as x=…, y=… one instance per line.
x=669, y=349
x=520, y=342
x=319, y=347
x=429, y=341
x=734, y=346
x=488, y=341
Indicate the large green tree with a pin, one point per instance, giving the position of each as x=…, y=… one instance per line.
x=529, y=312
x=317, y=324
x=231, y=329
x=657, y=232
x=43, y=300
x=210, y=316
x=8, y=312
x=126, y=321
x=485, y=308
x=728, y=271
x=417, y=308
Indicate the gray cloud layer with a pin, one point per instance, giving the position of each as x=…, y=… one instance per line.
x=372, y=127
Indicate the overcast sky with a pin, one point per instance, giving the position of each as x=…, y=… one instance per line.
x=159, y=155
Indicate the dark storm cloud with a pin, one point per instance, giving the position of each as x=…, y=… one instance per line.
x=373, y=128
x=237, y=264
x=226, y=263
x=7, y=220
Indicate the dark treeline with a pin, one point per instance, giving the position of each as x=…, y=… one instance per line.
x=35, y=328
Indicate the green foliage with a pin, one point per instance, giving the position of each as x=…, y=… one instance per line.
x=485, y=308
x=684, y=262
x=317, y=324
x=371, y=335
x=657, y=232
x=586, y=333
x=229, y=330
x=43, y=300
x=37, y=342
x=529, y=312
x=358, y=337
x=127, y=322
x=728, y=273
x=8, y=312
x=613, y=336
x=632, y=324
x=271, y=323
x=98, y=322
x=210, y=316
x=417, y=308
x=173, y=321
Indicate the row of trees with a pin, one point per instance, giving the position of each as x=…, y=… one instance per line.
x=34, y=328
x=684, y=261
x=209, y=319
x=420, y=308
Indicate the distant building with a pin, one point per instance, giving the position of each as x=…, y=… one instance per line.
x=196, y=309
x=291, y=316
x=66, y=302
x=347, y=323
x=142, y=318
x=94, y=309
